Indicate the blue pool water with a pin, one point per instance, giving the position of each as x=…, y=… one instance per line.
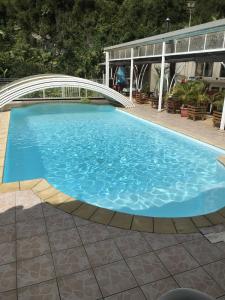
x=113, y=160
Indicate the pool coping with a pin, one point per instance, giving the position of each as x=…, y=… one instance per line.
x=48, y=194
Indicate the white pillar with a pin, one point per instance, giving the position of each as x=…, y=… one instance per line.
x=131, y=73
x=107, y=68
x=162, y=76
x=222, y=123
x=43, y=94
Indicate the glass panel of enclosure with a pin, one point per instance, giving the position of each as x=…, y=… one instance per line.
x=53, y=92
x=158, y=49
x=197, y=43
x=149, y=50
x=122, y=53
x=128, y=52
x=71, y=92
x=136, y=51
x=142, y=51
x=170, y=46
x=214, y=40
x=182, y=45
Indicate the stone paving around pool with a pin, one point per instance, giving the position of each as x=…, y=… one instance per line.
x=48, y=254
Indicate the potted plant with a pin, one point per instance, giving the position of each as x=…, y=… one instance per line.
x=217, y=102
x=198, y=100
x=181, y=91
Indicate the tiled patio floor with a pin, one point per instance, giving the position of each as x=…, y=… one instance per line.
x=200, y=130
x=47, y=254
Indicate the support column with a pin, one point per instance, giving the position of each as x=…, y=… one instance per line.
x=162, y=77
x=222, y=123
x=107, y=68
x=131, y=73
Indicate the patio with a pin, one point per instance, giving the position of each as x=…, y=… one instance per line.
x=46, y=253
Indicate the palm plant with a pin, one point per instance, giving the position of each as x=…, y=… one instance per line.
x=218, y=100
x=191, y=93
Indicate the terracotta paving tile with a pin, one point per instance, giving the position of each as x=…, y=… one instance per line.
x=177, y=259
x=102, y=253
x=30, y=228
x=181, y=238
x=93, y=233
x=35, y=270
x=133, y=294
x=7, y=277
x=43, y=291
x=26, y=199
x=81, y=285
x=221, y=246
x=7, y=233
x=49, y=210
x=198, y=279
x=7, y=252
x=7, y=201
x=23, y=214
x=114, y=278
x=156, y=289
x=116, y=232
x=217, y=271
x=147, y=268
x=81, y=222
x=70, y=261
x=158, y=241
x=32, y=246
x=59, y=222
x=132, y=245
x=8, y=217
x=10, y=295
x=64, y=239
x=203, y=251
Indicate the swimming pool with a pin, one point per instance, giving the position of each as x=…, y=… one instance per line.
x=105, y=157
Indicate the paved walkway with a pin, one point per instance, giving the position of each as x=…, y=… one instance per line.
x=201, y=130
x=47, y=254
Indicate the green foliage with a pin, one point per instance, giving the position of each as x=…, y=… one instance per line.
x=85, y=100
x=55, y=36
x=191, y=93
x=218, y=100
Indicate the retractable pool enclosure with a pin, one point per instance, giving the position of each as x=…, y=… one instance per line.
x=21, y=87
x=205, y=42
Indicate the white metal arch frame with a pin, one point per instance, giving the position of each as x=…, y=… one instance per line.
x=35, y=83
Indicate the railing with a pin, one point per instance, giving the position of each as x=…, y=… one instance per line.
x=199, y=43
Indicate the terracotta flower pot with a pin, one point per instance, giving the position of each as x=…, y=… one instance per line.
x=184, y=112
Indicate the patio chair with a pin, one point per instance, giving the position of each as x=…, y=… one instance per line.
x=185, y=294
